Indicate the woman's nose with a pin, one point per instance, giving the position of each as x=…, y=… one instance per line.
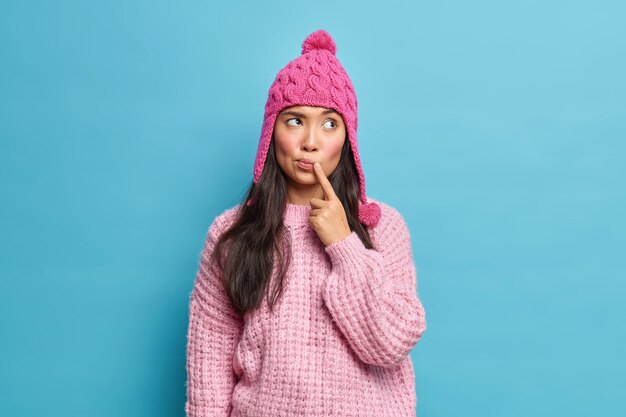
x=309, y=143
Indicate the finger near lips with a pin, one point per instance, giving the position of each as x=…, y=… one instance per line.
x=317, y=167
x=326, y=186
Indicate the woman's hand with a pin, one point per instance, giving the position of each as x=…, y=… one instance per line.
x=328, y=216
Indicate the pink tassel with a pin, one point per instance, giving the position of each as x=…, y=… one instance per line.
x=369, y=214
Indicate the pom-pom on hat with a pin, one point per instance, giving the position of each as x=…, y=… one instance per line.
x=316, y=78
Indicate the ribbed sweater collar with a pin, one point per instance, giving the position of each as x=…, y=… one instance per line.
x=296, y=214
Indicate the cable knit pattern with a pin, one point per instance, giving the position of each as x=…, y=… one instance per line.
x=337, y=343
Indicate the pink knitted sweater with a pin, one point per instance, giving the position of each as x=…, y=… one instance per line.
x=337, y=343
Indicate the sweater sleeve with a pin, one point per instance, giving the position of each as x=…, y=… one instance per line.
x=372, y=294
x=213, y=333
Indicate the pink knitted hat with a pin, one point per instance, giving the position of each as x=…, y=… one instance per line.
x=316, y=78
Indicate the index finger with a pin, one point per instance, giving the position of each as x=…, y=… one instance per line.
x=326, y=186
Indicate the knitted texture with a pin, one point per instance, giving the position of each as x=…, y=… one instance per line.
x=316, y=78
x=337, y=343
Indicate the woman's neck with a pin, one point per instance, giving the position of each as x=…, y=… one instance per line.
x=302, y=195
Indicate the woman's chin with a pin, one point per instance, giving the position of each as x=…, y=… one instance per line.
x=304, y=179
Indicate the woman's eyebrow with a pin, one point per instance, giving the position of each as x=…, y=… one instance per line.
x=298, y=114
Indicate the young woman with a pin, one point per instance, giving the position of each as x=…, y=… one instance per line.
x=305, y=302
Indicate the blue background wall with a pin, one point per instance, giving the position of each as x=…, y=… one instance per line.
x=496, y=128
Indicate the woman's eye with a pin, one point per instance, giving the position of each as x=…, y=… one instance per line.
x=331, y=121
x=298, y=120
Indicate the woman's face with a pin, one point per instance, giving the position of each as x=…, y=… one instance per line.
x=304, y=133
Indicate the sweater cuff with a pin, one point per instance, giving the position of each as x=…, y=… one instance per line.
x=346, y=249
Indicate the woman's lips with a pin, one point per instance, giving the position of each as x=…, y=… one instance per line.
x=305, y=164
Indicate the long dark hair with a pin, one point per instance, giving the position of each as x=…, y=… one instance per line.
x=258, y=232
